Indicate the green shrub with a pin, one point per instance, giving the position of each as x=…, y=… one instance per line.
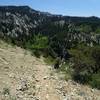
x=95, y=81
x=36, y=53
x=86, y=64
x=40, y=42
x=49, y=60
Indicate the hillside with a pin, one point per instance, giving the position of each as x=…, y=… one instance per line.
x=38, y=41
x=22, y=22
x=25, y=77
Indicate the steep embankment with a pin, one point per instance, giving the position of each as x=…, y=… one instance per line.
x=24, y=77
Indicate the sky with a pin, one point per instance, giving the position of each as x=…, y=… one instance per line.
x=64, y=7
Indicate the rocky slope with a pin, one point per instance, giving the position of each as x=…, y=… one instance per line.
x=24, y=77
x=15, y=21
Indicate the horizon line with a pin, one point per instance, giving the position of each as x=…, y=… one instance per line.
x=52, y=13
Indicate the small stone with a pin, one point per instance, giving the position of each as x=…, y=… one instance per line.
x=92, y=90
x=47, y=97
x=11, y=75
x=34, y=93
x=19, y=96
x=45, y=77
x=18, y=87
x=81, y=93
x=38, y=86
x=67, y=98
x=23, y=86
x=37, y=80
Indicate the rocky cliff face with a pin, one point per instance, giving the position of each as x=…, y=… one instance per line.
x=18, y=20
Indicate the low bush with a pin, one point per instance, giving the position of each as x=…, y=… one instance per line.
x=95, y=81
x=86, y=65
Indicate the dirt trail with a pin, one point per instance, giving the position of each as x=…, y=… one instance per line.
x=24, y=77
x=46, y=83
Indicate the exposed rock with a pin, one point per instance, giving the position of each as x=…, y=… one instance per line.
x=45, y=77
x=12, y=75
x=22, y=86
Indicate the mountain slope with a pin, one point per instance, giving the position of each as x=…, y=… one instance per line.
x=21, y=24
x=24, y=77
x=22, y=21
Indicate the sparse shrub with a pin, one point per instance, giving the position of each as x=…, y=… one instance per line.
x=66, y=70
x=57, y=63
x=6, y=91
x=49, y=60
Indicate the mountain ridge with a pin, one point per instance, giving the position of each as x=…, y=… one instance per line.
x=29, y=8
x=22, y=22
x=44, y=16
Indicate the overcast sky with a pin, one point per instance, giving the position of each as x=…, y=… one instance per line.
x=64, y=7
